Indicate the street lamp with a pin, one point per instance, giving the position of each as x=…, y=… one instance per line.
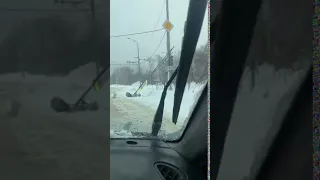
x=139, y=69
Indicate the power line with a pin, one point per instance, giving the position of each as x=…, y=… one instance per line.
x=160, y=63
x=135, y=33
x=157, y=47
x=158, y=17
x=160, y=13
x=149, y=57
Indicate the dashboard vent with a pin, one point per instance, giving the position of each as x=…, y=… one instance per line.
x=169, y=172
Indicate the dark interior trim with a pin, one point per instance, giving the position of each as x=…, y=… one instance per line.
x=193, y=143
x=290, y=156
x=228, y=56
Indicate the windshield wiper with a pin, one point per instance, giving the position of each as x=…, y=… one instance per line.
x=157, y=121
x=193, y=26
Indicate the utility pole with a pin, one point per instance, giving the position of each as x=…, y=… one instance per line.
x=169, y=62
x=139, y=67
x=93, y=20
x=138, y=57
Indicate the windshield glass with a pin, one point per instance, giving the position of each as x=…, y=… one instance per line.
x=143, y=56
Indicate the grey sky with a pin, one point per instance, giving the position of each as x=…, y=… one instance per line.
x=126, y=16
x=131, y=16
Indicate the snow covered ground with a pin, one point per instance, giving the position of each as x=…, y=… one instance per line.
x=148, y=103
x=40, y=143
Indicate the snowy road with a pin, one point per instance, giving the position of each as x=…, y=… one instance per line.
x=134, y=116
x=40, y=143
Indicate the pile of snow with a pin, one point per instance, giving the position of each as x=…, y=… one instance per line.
x=136, y=84
x=80, y=78
x=120, y=134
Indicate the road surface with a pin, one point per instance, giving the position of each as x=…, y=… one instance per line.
x=133, y=116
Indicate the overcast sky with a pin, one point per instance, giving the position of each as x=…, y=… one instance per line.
x=126, y=16
x=131, y=16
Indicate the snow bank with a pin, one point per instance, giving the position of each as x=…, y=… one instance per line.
x=120, y=134
x=80, y=78
x=150, y=97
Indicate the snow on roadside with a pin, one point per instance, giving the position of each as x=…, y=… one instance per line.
x=80, y=78
x=150, y=97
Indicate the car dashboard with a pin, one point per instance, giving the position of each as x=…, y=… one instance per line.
x=149, y=160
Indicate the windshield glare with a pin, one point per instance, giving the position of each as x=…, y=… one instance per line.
x=142, y=63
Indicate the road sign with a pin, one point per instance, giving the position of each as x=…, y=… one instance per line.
x=170, y=68
x=167, y=25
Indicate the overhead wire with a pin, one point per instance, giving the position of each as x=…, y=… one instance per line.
x=151, y=55
x=155, y=26
x=157, y=47
x=148, y=60
x=132, y=34
x=164, y=2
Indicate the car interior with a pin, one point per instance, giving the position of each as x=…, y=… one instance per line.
x=185, y=158
x=289, y=153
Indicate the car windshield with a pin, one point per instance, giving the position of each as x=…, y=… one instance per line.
x=145, y=46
